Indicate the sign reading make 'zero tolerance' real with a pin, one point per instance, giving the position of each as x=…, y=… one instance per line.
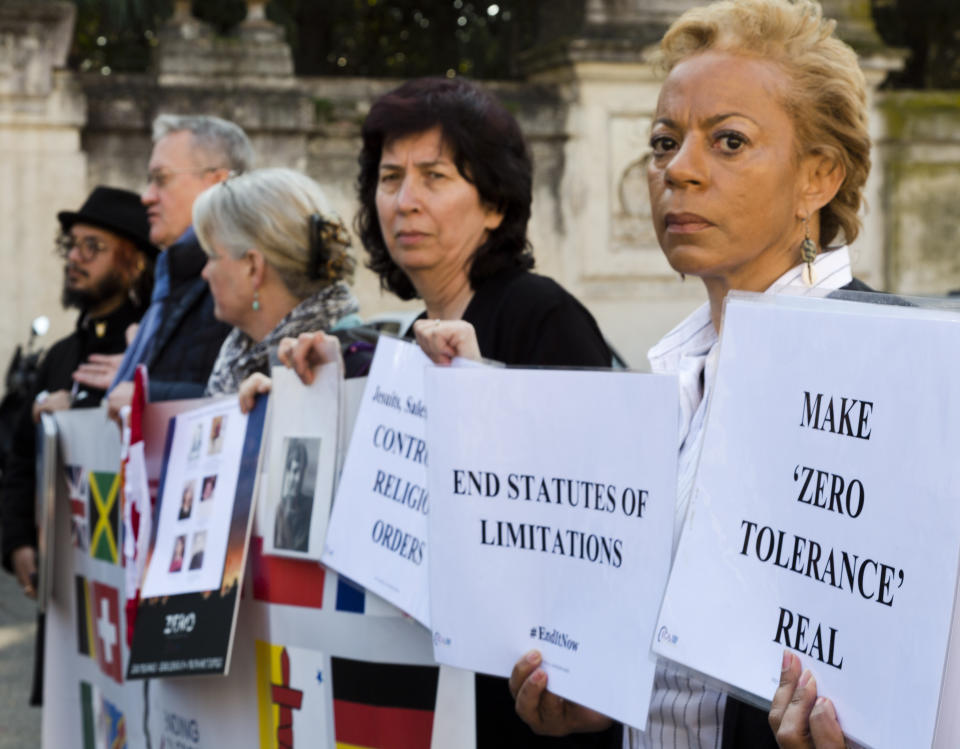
x=552, y=505
x=825, y=518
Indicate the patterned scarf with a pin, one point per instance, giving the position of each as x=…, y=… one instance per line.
x=241, y=356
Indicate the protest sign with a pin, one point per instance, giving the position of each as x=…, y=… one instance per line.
x=378, y=527
x=187, y=614
x=824, y=517
x=551, y=525
x=302, y=437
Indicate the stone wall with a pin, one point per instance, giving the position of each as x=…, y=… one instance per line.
x=919, y=152
x=42, y=167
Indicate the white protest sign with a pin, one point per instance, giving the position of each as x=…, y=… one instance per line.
x=825, y=517
x=302, y=441
x=196, y=507
x=377, y=533
x=551, y=524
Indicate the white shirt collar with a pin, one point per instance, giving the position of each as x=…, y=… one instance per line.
x=696, y=332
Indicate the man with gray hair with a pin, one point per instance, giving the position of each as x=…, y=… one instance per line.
x=179, y=338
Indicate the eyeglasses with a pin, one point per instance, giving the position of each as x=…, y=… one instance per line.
x=161, y=177
x=88, y=247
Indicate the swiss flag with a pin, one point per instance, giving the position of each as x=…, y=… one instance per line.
x=106, y=630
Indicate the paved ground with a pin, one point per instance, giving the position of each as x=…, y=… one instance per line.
x=19, y=723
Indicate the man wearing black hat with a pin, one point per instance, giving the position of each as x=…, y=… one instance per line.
x=108, y=276
x=108, y=272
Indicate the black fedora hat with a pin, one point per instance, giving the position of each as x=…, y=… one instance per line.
x=119, y=211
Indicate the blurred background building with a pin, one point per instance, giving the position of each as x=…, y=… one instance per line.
x=81, y=81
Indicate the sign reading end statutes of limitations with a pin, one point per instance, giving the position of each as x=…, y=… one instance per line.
x=552, y=504
x=825, y=518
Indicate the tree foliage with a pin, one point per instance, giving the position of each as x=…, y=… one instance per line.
x=396, y=38
x=405, y=38
x=930, y=31
x=479, y=38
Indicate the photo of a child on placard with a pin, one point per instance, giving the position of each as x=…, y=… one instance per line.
x=291, y=529
x=209, y=484
x=196, y=549
x=196, y=442
x=179, y=549
x=216, y=435
x=186, y=501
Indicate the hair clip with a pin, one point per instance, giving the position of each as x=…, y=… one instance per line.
x=319, y=253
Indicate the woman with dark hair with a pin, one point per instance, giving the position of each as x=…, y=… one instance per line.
x=445, y=188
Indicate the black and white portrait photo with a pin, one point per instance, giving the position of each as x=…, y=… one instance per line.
x=291, y=530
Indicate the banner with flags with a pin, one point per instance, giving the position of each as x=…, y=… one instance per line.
x=296, y=619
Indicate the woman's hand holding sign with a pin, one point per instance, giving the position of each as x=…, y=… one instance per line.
x=308, y=351
x=800, y=719
x=442, y=340
x=546, y=713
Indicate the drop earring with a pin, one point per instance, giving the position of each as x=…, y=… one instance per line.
x=256, y=300
x=808, y=253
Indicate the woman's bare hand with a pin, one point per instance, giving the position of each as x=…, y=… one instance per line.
x=256, y=384
x=800, y=719
x=442, y=340
x=546, y=713
x=308, y=351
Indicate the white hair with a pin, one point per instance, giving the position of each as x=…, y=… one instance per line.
x=219, y=139
x=270, y=210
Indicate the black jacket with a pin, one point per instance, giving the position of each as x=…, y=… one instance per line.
x=104, y=335
x=188, y=339
x=529, y=320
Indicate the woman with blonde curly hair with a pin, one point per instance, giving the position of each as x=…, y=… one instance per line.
x=759, y=155
x=278, y=265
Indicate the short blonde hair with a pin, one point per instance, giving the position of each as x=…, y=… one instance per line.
x=269, y=210
x=826, y=98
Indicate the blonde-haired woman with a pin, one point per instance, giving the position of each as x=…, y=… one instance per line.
x=759, y=155
x=278, y=266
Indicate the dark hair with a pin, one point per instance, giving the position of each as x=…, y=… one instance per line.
x=488, y=150
x=297, y=451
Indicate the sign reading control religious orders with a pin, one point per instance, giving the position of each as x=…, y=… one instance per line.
x=377, y=534
x=551, y=524
x=825, y=518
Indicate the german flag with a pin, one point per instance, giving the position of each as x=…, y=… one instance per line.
x=381, y=705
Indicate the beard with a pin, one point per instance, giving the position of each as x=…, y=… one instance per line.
x=83, y=299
